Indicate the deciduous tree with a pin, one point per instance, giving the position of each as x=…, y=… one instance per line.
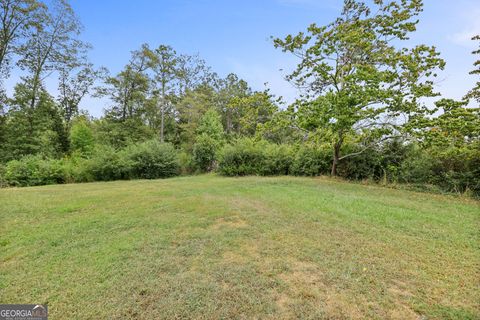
x=17, y=19
x=75, y=82
x=163, y=62
x=53, y=43
x=355, y=75
x=474, y=93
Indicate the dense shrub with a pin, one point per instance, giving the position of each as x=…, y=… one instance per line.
x=78, y=169
x=365, y=165
x=151, y=160
x=3, y=182
x=106, y=164
x=81, y=138
x=311, y=160
x=452, y=169
x=417, y=168
x=457, y=170
x=186, y=163
x=34, y=171
x=249, y=157
x=277, y=159
x=205, y=152
x=392, y=154
x=148, y=160
x=210, y=137
x=244, y=157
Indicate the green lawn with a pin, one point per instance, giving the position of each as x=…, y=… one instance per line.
x=208, y=247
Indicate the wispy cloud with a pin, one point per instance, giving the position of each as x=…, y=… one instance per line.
x=471, y=27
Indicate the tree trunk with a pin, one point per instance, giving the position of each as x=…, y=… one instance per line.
x=162, y=122
x=335, y=161
x=336, y=156
x=229, y=121
x=163, y=102
x=33, y=99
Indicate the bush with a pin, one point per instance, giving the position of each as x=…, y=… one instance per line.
x=453, y=169
x=3, y=182
x=186, y=163
x=34, y=171
x=417, y=168
x=311, y=160
x=366, y=165
x=152, y=160
x=392, y=155
x=81, y=138
x=106, y=164
x=78, y=169
x=456, y=169
x=277, y=159
x=248, y=157
x=244, y=157
x=205, y=153
x=210, y=138
x=148, y=160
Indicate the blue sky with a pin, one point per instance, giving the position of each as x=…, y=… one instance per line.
x=234, y=36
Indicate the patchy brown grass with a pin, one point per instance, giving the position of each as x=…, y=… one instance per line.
x=229, y=222
x=253, y=248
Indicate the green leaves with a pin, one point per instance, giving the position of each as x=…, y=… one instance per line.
x=209, y=139
x=474, y=93
x=211, y=125
x=81, y=138
x=355, y=77
x=456, y=125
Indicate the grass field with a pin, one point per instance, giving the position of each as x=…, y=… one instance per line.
x=208, y=247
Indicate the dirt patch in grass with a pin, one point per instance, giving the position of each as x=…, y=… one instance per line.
x=399, y=294
x=208, y=247
x=247, y=251
x=230, y=222
x=245, y=204
x=303, y=283
x=402, y=312
x=304, y=273
x=399, y=289
x=231, y=257
x=308, y=288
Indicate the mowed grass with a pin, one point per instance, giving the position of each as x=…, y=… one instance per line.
x=209, y=247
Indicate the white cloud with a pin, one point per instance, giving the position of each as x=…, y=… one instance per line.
x=471, y=27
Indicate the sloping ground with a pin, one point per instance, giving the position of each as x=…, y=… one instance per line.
x=209, y=247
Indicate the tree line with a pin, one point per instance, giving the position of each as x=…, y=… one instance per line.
x=362, y=112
